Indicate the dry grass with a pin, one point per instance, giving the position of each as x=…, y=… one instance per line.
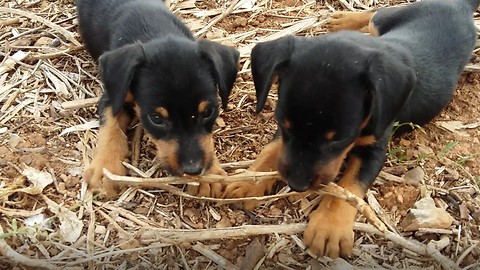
x=48, y=127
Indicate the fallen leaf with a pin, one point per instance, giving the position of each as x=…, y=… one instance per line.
x=253, y=253
x=39, y=179
x=70, y=225
x=38, y=220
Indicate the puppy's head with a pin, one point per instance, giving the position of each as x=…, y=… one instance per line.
x=333, y=95
x=173, y=84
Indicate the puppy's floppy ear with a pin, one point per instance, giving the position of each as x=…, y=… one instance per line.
x=267, y=58
x=223, y=61
x=390, y=81
x=117, y=69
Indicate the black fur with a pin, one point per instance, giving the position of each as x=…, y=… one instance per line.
x=143, y=48
x=358, y=85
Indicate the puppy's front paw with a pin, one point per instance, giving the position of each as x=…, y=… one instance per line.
x=330, y=229
x=213, y=190
x=95, y=179
x=346, y=20
x=248, y=189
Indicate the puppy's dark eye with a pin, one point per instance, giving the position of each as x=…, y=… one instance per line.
x=207, y=113
x=157, y=120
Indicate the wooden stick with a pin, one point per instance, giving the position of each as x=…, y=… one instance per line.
x=154, y=182
x=163, y=183
x=215, y=257
x=80, y=103
x=177, y=236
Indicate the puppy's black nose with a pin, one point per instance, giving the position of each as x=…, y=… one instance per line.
x=298, y=186
x=192, y=168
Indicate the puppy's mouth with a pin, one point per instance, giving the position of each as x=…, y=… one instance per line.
x=321, y=180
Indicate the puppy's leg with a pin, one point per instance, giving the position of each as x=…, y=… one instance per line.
x=265, y=162
x=111, y=150
x=330, y=228
x=344, y=20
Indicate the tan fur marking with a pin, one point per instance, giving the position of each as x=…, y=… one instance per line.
x=329, y=171
x=111, y=150
x=129, y=97
x=365, y=140
x=330, y=229
x=206, y=143
x=372, y=29
x=266, y=161
x=350, y=179
x=330, y=134
x=167, y=154
x=162, y=111
x=365, y=122
x=202, y=106
x=346, y=20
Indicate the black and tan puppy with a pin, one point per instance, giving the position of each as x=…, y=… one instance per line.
x=153, y=68
x=340, y=94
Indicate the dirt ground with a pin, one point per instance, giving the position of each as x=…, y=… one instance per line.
x=43, y=139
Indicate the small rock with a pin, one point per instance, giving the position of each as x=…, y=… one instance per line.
x=14, y=141
x=425, y=150
x=415, y=176
x=405, y=143
x=426, y=215
x=43, y=41
x=223, y=223
x=55, y=43
x=220, y=122
x=100, y=229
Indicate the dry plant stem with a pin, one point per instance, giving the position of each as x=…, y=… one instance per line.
x=175, y=236
x=215, y=257
x=81, y=103
x=236, y=165
x=115, y=253
x=153, y=182
x=8, y=22
x=471, y=68
x=178, y=192
x=67, y=34
x=178, y=236
x=229, y=10
x=44, y=56
x=10, y=254
x=331, y=189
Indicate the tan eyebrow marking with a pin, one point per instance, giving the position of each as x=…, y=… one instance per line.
x=202, y=106
x=330, y=134
x=162, y=111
